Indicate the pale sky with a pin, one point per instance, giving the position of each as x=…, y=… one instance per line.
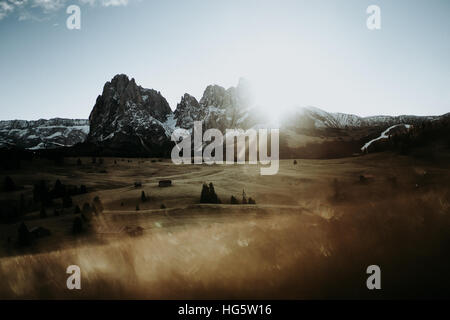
x=307, y=53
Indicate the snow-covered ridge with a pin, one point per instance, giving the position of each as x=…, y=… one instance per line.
x=323, y=119
x=42, y=133
x=54, y=122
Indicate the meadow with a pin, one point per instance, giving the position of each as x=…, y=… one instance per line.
x=314, y=229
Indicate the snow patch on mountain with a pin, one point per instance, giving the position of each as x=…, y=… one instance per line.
x=384, y=135
x=41, y=134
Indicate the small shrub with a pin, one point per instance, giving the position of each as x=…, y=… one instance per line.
x=59, y=190
x=233, y=200
x=137, y=207
x=163, y=206
x=143, y=196
x=251, y=201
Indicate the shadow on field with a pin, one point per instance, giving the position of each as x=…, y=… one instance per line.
x=281, y=256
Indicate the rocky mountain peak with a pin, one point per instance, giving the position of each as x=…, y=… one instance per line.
x=226, y=108
x=188, y=111
x=214, y=95
x=127, y=115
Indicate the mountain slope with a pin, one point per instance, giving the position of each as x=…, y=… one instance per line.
x=129, y=119
x=42, y=134
x=218, y=108
x=313, y=118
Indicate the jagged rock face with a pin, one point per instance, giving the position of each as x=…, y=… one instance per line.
x=225, y=109
x=188, y=111
x=218, y=108
x=129, y=117
x=128, y=120
x=43, y=134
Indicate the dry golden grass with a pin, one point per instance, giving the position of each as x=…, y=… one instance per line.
x=299, y=241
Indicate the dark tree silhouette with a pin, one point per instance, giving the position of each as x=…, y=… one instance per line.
x=143, y=196
x=208, y=194
x=59, y=189
x=204, y=197
x=233, y=200
x=212, y=193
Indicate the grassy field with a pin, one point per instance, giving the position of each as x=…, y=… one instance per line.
x=313, y=231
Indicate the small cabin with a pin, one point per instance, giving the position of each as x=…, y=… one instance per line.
x=165, y=183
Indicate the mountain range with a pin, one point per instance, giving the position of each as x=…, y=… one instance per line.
x=130, y=120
